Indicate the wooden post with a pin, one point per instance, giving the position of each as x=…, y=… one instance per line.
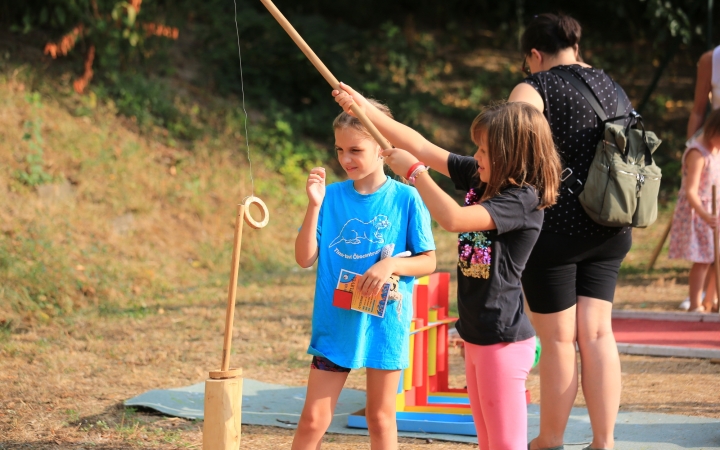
x=659, y=246
x=223, y=389
x=329, y=77
x=715, y=246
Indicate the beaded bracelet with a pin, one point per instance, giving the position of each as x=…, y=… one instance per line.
x=412, y=168
x=417, y=172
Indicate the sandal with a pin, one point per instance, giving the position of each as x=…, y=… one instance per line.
x=549, y=448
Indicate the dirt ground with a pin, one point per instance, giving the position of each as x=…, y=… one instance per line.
x=63, y=384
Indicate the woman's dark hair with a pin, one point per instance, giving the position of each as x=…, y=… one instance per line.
x=550, y=33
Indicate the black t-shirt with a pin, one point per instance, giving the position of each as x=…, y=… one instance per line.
x=576, y=130
x=490, y=298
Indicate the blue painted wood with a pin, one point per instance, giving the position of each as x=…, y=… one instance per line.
x=460, y=424
x=432, y=399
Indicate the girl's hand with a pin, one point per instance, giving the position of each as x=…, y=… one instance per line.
x=711, y=220
x=315, y=186
x=372, y=281
x=346, y=96
x=400, y=161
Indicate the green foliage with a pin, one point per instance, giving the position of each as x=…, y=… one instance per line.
x=150, y=102
x=398, y=52
x=34, y=174
x=34, y=276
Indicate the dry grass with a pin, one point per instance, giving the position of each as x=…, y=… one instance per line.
x=65, y=382
x=136, y=248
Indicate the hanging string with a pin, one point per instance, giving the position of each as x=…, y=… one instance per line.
x=242, y=88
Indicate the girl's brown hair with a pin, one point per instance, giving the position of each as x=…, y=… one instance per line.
x=345, y=120
x=520, y=149
x=711, y=127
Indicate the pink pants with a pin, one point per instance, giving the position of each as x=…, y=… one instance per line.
x=496, y=376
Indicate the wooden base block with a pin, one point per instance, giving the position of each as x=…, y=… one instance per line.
x=223, y=404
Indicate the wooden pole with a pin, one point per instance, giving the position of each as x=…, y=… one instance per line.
x=659, y=246
x=715, y=244
x=223, y=389
x=232, y=288
x=329, y=77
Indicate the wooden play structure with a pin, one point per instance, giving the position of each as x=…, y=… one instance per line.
x=425, y=401
x=223, y=389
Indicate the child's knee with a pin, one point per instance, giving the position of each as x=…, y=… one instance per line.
x=314, y=422
x=381, y=420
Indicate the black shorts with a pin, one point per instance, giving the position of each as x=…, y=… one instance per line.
x=561, y=268
x=320, y=363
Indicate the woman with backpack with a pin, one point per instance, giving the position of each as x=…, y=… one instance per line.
x=570, y=278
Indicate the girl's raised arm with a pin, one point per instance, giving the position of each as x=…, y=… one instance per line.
x=398, y=134
x=443, y=208
x=306, y=245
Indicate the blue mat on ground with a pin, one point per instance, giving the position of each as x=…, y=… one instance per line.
x=280, y=406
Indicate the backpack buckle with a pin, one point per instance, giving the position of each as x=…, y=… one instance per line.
x=571, y=182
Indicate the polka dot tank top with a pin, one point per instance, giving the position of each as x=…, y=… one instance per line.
x=576, y=131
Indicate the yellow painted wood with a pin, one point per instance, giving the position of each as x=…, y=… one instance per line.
x=400, y=402
x=463, y=410
x=408, y=377
x=432, y=343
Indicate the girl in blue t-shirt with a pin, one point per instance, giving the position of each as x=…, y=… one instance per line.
x=355, y=229
x=513, y=176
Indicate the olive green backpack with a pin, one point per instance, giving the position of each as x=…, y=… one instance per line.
x=623, y=182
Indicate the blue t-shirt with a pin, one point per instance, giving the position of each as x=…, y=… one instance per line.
x=352, y=230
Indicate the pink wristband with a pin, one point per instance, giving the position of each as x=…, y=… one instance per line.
x=412, y=168
x=418, y=171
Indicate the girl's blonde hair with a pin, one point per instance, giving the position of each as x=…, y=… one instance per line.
x=520, y=149
x=711, y=127
x=345, y=120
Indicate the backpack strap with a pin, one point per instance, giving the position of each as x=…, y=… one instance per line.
x=583, y=89
x=568, y=178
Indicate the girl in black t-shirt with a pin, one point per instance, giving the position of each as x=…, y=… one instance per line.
x=513, y=176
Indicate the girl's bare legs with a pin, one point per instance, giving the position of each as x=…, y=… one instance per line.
x=710, y=290
x=698, y=272
x=558, y=374
x=600, y=362
x=322, y=395
x=380, y=409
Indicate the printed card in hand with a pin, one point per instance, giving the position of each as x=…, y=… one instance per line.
x=348, y=297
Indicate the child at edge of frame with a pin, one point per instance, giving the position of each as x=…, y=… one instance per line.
x=513, y=175
x=351, y=226
x=691, y=235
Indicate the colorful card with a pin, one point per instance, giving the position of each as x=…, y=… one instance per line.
x=347, y=297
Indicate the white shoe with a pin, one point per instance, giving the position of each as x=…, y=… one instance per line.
x=685, y=305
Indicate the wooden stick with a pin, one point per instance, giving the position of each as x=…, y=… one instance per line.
x=329, y=77
x=232, y=288
x=659, y=246
x=715, y=244
x=242, y=215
